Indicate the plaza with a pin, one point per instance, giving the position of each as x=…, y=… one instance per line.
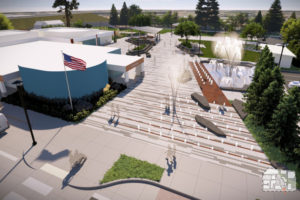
x=208, y=166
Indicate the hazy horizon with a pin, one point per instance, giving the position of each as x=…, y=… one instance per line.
x=86, y=5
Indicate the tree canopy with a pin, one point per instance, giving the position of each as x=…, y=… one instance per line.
x=5, y=23
x=266, y=89
x=186, y=29
x=140, y=20
x=293, y=15
x=67, y=7
x=124, y=15
x=258, y=18
x=134, y=10
x=113, y=17
x=207, y=14
x=290, y=32
x=274, y=18
x=253, y=30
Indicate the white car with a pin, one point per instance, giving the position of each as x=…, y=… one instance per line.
x=294, y=83
x=3, y=123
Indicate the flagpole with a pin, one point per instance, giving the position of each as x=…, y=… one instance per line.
x=67, y=81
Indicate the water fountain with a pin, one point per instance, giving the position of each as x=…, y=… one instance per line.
x=228, y=73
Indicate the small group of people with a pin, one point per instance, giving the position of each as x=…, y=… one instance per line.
x=171, y=159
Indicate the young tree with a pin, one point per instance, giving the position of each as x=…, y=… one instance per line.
x=274, y=18
x=186, y=29
x=191, y=18
x=5, y=23
x=67, y=7
x=201, y=13
x=124, y=15
x=113, y=18
x=293, y=15
x=213, y=14
x=258, y=18
x=134, y=10
x=253, y=30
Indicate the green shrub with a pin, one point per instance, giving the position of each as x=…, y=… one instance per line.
x=129, y=167
x=61, y=108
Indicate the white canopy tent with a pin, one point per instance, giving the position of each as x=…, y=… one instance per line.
x=287, y=55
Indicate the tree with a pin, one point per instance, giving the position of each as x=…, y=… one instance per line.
x=174, y=17
x=201, y=13
x=187, y=28
x=134, y=10
x=113, y=18
x=67, y=7
x=271, y=95
x=213, y=14
x=266, y=89
x=191, y=18
x=140, y=20
x=258, y=18
x=293, y=15
x=167, y=19
x=290, y=32
x=283, y=129
x=5, y=23
x=241, y=19
x=124, y=15
x=253, y=30
x=274, y=18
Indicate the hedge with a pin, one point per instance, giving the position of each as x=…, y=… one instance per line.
x=61, y=108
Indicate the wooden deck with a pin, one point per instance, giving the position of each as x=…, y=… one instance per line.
x=207, y=84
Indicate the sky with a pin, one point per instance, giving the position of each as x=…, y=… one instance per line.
x=46, y=5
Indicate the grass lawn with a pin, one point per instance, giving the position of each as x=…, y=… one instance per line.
x=272, y=152
x=208, y=51
x=27, y=23
x=142, y=46
x=165, y=30
x=129, y=167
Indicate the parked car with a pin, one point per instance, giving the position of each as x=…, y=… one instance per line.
x=294, y=83
x=3, y=123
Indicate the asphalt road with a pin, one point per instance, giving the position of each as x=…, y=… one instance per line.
x=288, y=77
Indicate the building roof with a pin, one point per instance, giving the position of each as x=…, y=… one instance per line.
x=11, y=37
x=49, y=22
x=277, y=50
x=78, y=34
x=147, y=29
x=47, y=56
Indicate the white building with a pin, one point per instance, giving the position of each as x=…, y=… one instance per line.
x=37, y=62
x=57, y=34
x=41, y=24
x=287, y=55
x=76, y=35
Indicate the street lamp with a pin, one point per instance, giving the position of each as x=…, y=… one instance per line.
x=20, y=89
x=283, y=45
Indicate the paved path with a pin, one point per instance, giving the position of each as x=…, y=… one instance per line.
x=202, y=169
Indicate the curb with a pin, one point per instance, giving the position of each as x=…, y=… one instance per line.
x=134, y=180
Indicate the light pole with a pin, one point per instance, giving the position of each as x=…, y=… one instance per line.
x=283, y=45
x=20, y=89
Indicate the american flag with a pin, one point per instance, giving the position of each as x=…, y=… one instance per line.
x=74, y=63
